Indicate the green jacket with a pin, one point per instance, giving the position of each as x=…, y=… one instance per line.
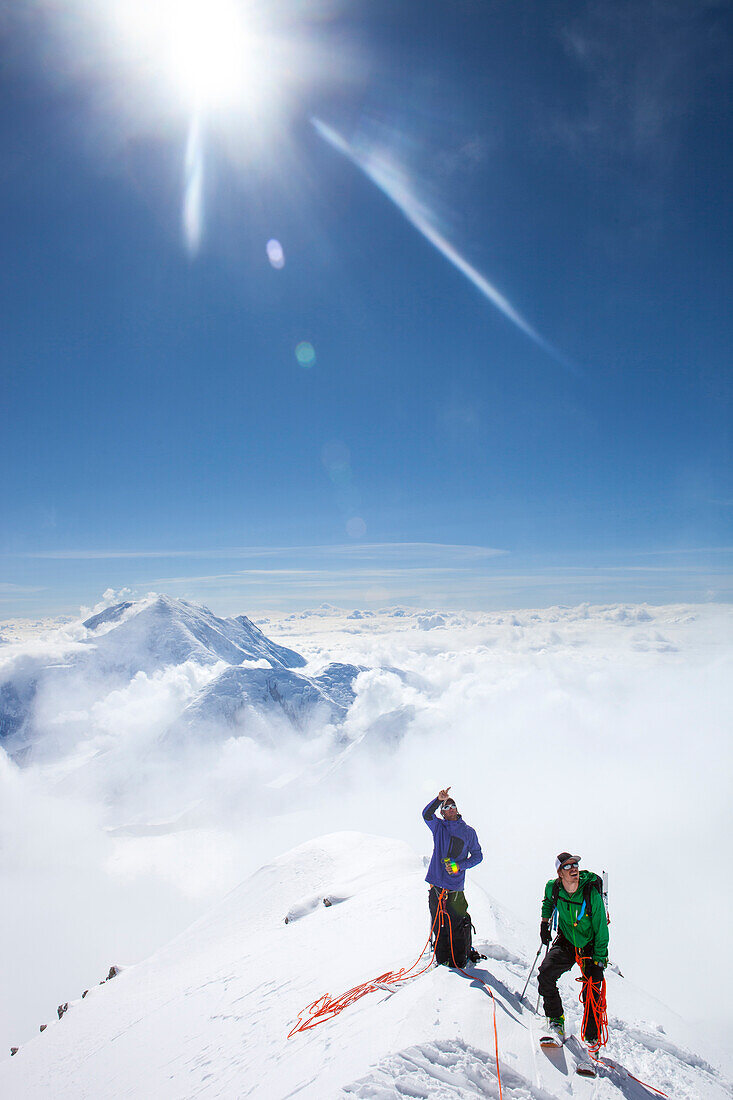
x=590, y=928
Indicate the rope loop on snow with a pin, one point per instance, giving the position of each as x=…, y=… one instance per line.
x=325, y=1008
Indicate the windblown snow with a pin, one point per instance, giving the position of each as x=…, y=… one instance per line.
x=209, y=1014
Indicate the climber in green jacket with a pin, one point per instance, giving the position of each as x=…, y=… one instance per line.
x=582, y=932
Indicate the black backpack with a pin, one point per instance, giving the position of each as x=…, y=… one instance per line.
x=460, y=949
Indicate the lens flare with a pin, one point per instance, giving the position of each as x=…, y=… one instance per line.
x=336, y=459
x=356, y=527
x=305, y=354
x=275, y=254
x=234, y=73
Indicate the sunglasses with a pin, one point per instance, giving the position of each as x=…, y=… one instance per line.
x=569, y=867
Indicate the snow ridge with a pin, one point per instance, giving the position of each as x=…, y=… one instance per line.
x=208, y=1015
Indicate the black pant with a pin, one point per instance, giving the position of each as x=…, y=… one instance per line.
x=453, y=944
x=558, y=960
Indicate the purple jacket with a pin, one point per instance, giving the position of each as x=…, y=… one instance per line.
x=454, y=840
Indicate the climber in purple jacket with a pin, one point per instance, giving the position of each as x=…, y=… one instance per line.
x=455, y=849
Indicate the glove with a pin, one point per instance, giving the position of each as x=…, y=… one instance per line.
x=545, y=932
x=451, y=866
x=593, y=971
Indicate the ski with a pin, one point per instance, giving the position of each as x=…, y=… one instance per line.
x=554, y=1036
x=584, y=1064
x=585, y=1069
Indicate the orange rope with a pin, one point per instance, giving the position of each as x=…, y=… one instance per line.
x=325, y=1008
x=593, y=996
x=603, y=1062
x=640, y=1082
x=475, y=977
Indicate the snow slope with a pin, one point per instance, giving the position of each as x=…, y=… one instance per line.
x=222, y=702
x=209, y=1014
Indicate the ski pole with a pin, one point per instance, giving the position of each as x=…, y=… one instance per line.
x=537, y=1006
x=530, y=971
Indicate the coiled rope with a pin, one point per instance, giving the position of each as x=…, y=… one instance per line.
x=325, y=1008
x=593, y=997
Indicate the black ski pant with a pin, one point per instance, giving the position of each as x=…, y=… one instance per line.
x=454, y=941
x=558, y=960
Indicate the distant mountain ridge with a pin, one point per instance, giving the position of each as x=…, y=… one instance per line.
x=162, y=631
x=148, y=636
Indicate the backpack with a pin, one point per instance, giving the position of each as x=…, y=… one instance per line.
x=460, y=950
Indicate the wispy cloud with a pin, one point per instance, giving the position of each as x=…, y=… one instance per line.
x=346, y=550
x=269, y=579
x=10, y=592
x=393, y=181
x=690, y=550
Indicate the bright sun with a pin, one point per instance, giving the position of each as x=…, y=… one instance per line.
x=210, y=51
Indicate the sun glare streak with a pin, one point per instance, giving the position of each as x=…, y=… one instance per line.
x=393, y=182
x=193, y=188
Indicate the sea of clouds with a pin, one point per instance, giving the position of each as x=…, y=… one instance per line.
x=604, y=730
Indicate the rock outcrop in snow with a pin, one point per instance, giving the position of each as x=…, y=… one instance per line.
x=208, y=1015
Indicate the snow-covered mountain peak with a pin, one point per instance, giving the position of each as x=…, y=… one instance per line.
x=148, y=637
x=209, y=1014
x=159, y=631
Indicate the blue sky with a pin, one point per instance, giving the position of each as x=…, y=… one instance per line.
x=159, y=430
